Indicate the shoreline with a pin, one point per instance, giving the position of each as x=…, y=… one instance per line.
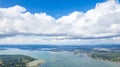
x=107, y=60
x=35, y=63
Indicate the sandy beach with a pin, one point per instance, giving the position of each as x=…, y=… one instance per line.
x=35, y=63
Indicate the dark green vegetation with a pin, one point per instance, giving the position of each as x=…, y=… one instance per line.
x=113, y=56
x=101, y=52
x=104, y=54
x=14, y=60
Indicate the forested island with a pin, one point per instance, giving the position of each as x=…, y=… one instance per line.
x=17, y=61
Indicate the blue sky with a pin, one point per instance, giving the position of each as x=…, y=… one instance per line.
x=59, y=22
x=55, y=8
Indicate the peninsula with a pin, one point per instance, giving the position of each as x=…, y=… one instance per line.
x=18, y=61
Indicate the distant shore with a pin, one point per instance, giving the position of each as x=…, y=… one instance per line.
x=35, y=63
x=108, y=61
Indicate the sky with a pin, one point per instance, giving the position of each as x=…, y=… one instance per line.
x=60, y=22
x=55, y=8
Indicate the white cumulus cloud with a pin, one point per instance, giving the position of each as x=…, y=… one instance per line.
x=101, y=23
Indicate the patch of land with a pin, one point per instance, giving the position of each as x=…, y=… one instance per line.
x=102, y=53
x=112, y=56
x=18, y=61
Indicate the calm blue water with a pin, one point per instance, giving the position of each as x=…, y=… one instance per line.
x=61, y=59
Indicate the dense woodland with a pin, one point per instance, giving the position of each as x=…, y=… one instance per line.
x=14, y=60
x=113, y=56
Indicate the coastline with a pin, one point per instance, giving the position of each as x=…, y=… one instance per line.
x=35, y=63
x=107, y=60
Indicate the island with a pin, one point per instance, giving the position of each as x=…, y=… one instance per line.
x=19, y=61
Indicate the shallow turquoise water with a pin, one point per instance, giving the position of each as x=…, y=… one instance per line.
x=61, y=59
